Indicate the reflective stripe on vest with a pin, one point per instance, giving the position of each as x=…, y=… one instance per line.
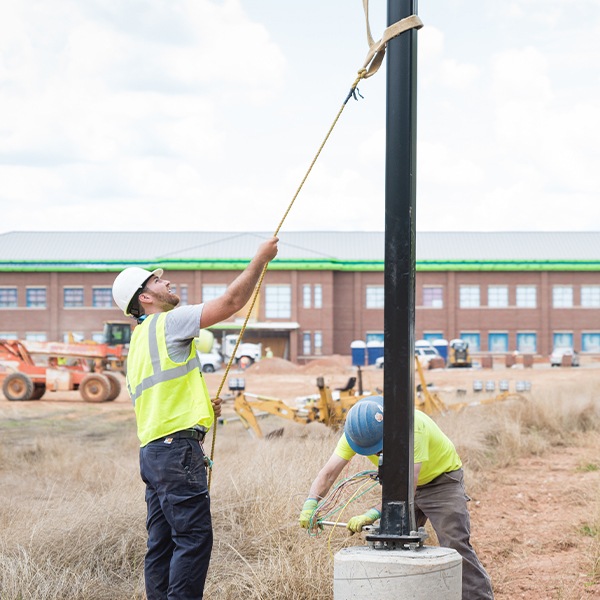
x=159, y=375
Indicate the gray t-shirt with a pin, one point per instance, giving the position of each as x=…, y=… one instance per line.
x=181, y=327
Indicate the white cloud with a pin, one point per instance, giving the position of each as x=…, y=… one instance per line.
x=183, y=114
x=90, y=85
x=438, y=69
x=439, y=164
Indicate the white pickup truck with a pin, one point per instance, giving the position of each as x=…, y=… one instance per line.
x=210, y=361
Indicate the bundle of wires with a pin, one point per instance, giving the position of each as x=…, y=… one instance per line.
x=345, y=492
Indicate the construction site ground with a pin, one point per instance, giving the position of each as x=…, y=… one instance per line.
x=525, y=522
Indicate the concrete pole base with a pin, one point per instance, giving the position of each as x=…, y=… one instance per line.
x=362, y=573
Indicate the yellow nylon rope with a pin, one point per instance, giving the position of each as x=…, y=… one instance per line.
x=374, y=59
x=361, y=75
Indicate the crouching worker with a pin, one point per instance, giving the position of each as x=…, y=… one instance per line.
x=439, y=496
x=173, y=412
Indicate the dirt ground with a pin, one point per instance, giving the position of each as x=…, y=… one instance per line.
x=527, y=522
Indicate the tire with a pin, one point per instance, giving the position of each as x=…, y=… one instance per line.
x=208, y=369
x=115, y=386
x=38, y=391
x=18, y=387
x=95, y=388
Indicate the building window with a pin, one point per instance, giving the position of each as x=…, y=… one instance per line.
x=526, y=296
x=473, y=339
x=8, y=297
x=469, y=296
x=210, y=291
x=374, y=336
x=318, y=295
x=278, y=302
x=498, y=342
x=433, y=297
x=73, y=336
x=8, y=335
x=312, y=296
x=562, y=296
x=497, y=296
x=35, y=297
x=183, y=295
x=306, y=296
x=431, y=336
x=374, y=297
x=102, y=298
x=562, y=339
x=36, y=337
x=306, y=348
x=590, y=296
x=590, y=342
x=318, y=340
x=73, y=297
x=98, y=337
x=527, y=343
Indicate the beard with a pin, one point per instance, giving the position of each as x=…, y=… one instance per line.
x=167, y=300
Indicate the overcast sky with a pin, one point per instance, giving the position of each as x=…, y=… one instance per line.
x=205, y=114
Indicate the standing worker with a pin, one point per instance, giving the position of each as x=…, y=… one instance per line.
x=439, y=495
x=173, y=412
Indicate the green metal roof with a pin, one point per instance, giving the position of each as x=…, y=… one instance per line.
x=316, y=250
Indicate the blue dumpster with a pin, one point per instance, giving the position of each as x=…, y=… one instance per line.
x=374, y=351
x=359, y=355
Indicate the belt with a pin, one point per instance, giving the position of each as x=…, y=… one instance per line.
x=194, y=433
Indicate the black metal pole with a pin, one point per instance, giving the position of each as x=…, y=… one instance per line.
x=397, y=520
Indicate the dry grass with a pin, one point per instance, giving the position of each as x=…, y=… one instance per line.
x=72, y=509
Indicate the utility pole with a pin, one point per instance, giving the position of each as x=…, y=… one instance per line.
x=396, y=565
x=397, y=520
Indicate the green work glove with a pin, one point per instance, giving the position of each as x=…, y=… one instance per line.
x=355, y=524
x=307, y=512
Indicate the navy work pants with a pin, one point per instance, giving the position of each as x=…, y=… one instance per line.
x=444, y=502
x=179, y=524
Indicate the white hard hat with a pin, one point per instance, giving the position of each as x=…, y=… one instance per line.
x=128, y=283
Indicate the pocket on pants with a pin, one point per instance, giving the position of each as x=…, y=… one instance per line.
x=189, y=511
x=193, y=466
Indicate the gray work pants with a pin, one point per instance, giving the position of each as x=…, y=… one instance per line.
x=444, y=502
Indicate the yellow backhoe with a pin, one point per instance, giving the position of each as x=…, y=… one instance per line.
x=326, y=407
x=330, y=407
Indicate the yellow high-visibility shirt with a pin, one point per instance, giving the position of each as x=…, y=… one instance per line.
x=432, y=448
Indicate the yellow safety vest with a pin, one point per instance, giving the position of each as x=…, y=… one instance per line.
x=167, y=396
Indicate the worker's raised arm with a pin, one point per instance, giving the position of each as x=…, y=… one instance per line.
x=240, y=290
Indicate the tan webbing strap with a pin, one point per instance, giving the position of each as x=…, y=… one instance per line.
x=377, y=49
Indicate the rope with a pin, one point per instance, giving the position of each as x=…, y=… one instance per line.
x=370, y=67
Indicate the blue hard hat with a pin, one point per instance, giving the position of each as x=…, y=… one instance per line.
x=364, y=426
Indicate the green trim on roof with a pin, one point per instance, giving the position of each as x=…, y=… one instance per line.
x=509, y=265
x=296, y=265
x=190, y=265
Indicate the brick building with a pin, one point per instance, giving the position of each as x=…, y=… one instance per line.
x=501, y=291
